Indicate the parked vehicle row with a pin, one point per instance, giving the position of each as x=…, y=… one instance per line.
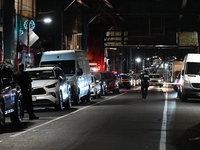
x=108, y=81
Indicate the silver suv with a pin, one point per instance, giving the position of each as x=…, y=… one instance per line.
x=10, y=96
x=50, y=87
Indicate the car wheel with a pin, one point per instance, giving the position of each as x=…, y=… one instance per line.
x=106, y=92
x=2, y=115
x=86, y=97
x=114, y=91
x=60, y=105
x=99, y=95
x=75, y=97
x=68, y=103
x=16, y=116
x=95, y=96
x=183, y=97
x=102, y=90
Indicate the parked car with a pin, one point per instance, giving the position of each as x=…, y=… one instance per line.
x=10, y=96
x=75, y=66
x=111, y=81
x=95, y=89
x=125, y=81
x=102, y=82
x=155, y=80
x=50, y=87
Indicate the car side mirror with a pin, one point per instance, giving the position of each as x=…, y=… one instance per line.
x=60, y=78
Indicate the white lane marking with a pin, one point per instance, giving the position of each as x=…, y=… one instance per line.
x=163, y=127
x=31, y=129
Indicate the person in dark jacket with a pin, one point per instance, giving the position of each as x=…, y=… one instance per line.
x=144, y=83
x=26, y=89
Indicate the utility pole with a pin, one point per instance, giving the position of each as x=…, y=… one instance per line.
x=8, y=30
x=28, y=46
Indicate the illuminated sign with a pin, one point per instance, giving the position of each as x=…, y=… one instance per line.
x=29, y=23
x=187, y=39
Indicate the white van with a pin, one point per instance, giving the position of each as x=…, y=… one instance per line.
x=190, y=77
x=75, y=66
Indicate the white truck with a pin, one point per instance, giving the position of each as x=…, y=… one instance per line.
x=75, y=66
x=190, y=77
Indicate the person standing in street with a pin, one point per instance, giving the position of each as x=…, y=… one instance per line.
x=144, y=84
x=26, y=89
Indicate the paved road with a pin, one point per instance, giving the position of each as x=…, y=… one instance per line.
x=122, y=121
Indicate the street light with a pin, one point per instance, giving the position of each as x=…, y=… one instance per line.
x=47, y=20
x=138, y=60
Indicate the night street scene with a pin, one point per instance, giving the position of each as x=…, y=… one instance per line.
x=99, y=75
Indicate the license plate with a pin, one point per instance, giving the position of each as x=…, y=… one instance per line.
x=34, y=98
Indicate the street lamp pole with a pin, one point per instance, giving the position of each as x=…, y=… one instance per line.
x=28, y=45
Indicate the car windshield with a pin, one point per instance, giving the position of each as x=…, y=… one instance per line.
x=42, y=74
x=193, y=68
x=68, y=66
x=154, y=76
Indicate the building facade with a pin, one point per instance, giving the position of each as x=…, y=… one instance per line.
x=13, y=15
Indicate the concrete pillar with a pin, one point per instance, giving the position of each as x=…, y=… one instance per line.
x=8, y=29
x=58, y=25
x=130, y=59
x=84, y=30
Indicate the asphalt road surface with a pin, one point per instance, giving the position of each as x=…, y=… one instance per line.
x=122, y=121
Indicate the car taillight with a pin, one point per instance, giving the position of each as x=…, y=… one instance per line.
x=111, y=84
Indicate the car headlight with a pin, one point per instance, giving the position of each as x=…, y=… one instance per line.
x=186, y=82
x=51, y=85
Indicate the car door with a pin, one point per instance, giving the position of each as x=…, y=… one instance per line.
x=81, y=82
x=62, y=83
x=8, y=87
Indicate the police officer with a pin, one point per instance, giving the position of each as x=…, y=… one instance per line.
x=144, y=83
x=25, y=83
